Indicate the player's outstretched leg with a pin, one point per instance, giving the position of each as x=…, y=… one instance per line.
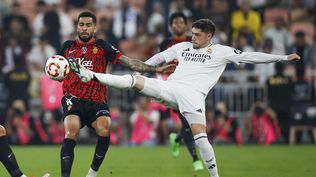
x=7, y=156
x=121, y=82
x=84, y=74
x=187, y=136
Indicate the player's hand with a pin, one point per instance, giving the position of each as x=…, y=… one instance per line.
x=293, y=57
x=166, y=68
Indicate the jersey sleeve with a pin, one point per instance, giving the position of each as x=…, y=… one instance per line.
x=111, y=53
x=64, y=47
x=165, y=56
x=232, y=55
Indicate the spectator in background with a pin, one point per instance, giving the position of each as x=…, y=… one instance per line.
x=22, y=127
x=17, y=31
x=125, y=22
x=53, y=24
x=36, y=60
x=180, y=6
x=280, y=36
x=221, y=17
x=280, y=88
x=156, y=20
x=144, y=123
x=197, y=10
x=15, y=14
x=17, y=76
x=14, y=55
x=105, y=31
x=263, y=124
x=246, y=21
x=224, y=129
x=303, y=49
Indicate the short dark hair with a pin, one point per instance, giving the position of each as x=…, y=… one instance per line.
x=88, y=14
x=205, y=25
x=176, y=15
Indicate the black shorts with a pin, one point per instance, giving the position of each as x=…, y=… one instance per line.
x=88, y=111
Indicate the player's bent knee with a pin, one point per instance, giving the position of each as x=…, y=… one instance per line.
x=72, y=135
x=2, y=131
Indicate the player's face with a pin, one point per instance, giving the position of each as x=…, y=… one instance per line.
x=200, y=39
x=178, y=26
x=86, y=29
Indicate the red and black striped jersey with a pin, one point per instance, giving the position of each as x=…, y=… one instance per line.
x=95, y=56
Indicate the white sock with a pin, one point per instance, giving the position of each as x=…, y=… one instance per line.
x=207, y=153
x=92, y=173
x=23, y=175
x=122, y=82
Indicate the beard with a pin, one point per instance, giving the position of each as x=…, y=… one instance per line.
x=85, y=39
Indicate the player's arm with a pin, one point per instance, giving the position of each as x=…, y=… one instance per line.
x=136, y=65
x=236, y=56
x=139, y=66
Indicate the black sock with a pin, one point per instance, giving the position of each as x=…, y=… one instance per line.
x=7, y=157
x=188, y=138
x=100, y=150
x=67, y=156
x=179, y=137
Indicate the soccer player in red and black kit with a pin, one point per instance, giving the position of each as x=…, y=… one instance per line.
x=85, y=104
x=178, y=25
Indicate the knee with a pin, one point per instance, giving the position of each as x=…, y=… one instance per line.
x=72, y=134
x=103, y=131
x=2, y=131
x=103, y=126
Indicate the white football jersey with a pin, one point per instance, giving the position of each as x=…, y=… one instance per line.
x=201, y=68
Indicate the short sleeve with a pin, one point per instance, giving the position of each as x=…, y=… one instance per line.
x=64, y=47
x=111, y=53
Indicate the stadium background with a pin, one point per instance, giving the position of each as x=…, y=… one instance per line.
x=32, y=30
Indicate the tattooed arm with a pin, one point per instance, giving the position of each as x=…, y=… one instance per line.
x=139, y=66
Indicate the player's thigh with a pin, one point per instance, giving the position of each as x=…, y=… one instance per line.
x=102, y=125
x=72, y=126
x=159, y=90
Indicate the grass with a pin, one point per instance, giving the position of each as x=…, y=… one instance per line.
x=233, y=161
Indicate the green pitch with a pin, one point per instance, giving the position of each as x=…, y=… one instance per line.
x=233, y=161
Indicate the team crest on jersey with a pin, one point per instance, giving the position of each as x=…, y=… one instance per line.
x=209, y=50
x=84, y=50
x=95, y=50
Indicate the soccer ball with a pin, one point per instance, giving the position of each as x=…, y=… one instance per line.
x=57, y=67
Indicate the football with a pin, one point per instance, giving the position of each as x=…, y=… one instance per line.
x=57, y=67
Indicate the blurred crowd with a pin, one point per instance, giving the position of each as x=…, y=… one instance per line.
x=32, y=31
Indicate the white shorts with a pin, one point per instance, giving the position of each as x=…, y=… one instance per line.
x=177, y=96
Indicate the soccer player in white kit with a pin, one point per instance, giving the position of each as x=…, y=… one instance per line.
x=201, y=64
